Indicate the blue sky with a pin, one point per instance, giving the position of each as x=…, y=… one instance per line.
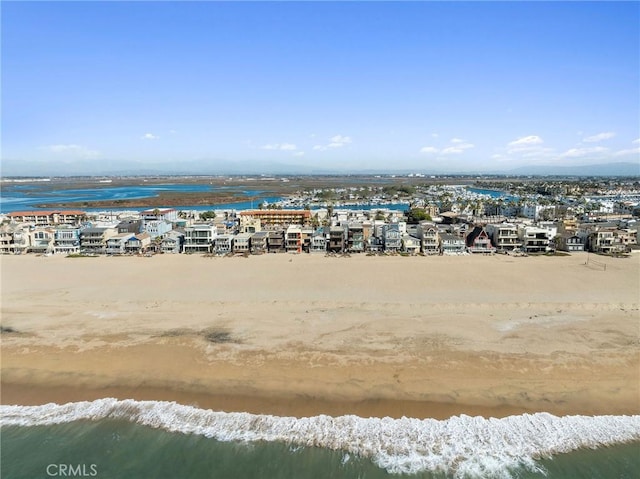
x=480, y=85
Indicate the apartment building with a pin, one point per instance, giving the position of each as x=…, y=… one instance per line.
x=49, y=218
x=275, y=218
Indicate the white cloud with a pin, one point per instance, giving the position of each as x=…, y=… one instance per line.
x=173, y=132
x=630, y=151
x=73, y=150
x=636, y=142
x=298, y=153
x=337, y=141
x=149, y=136
x=599, y=137
x=434, y=135
x=458, y=146
x=582, y=152
x=280, y=146
x=525, y=144
x=429, y=150
x=526, y=141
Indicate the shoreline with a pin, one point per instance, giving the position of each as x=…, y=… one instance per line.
x=305, y=335
x=300, y=406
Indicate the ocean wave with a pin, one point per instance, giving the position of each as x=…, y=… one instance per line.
x=461, y=446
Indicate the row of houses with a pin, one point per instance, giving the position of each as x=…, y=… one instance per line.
x=164, y=232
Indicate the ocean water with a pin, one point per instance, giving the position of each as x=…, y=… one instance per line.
x=108, y=438
x=19, y=197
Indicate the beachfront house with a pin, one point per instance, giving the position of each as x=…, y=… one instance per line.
x=275, y=241
x=242, y=243
x=504, y=236
x=392, y=237
x=117, y=243
x=138, y=243
x=318, y=241
x=429, y=237
x=293, y=239
x=66, y=240
x=569, y=242
x=451, y=244
x=336, y=239
x=410, y=244
x=199, y=238
x=306, y=234
x=534, y=239
x=258, y=242
x=21, y=239
x=355, y=237
x=41, y=240
x=94, y=240
x=223, y=244
x=611, y=240
x=172, y=242
x=367, y=231
x=6, y=238
x=478, y=241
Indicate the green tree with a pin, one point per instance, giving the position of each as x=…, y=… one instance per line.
x=416, y=215
x=207, y=215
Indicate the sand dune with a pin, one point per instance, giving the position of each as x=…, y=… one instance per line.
x=304, y=334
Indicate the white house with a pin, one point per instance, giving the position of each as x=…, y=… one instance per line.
x=199, y=238
x=157, y=228
x=534, y=239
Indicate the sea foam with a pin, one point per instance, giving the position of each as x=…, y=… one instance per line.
x=461, y=446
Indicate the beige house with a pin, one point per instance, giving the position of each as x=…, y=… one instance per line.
x=429, y=236
x=242, y=243
x=504, y=236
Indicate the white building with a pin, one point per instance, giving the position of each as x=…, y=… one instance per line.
x=199, y=238
x=534, y=239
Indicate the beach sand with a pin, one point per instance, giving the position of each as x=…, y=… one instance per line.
x=303, y=334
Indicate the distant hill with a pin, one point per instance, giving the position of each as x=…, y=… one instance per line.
x=605, y=169
x=222, y=167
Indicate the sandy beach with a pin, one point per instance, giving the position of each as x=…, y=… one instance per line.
x=303, y=334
